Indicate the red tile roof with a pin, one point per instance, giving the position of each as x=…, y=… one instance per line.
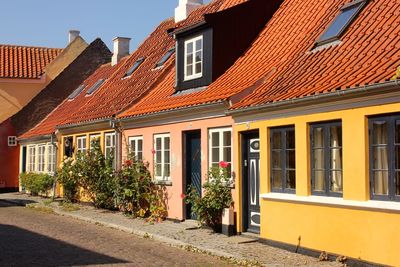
x=25, y=62
x=60, y=114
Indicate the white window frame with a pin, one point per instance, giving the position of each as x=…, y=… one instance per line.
x=81, y=144
x=41, y=155
x=51, y=158
x=163, y=177
x=31, y=160
x=93, y=136
x=12, y=141
x=221, y=146
x=112, y=144
x=136, y=152
x=194, y=74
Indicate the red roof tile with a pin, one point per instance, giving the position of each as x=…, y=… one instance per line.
x=25, y=62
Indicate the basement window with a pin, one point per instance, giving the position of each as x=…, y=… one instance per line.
x=165, y=57
x=134, y=67
x=12, y=141
x=342, y=21
x=76, y=92
x=94, y=87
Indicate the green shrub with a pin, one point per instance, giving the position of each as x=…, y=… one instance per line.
x=36, y=183
x=68, y=176
x=217, y=196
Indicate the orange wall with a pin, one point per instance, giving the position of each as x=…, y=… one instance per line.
x=176, y=130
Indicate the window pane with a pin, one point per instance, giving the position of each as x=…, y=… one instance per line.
x=158, y=143
x=189, y=70
x=380, y=132
x=397, y=129
x=277, y=179
x=227, y=154
x=319, y=159
x=166, y=170
x=291, y=159
x=166, y=143
x=215, y=154
x=189, y=48
x=158, y=169
x=198, y=57
x=336, y=136
x=380, y=158
x=133, y=145
x=140, y=145
x=397, y=155
x=319, y=181
x=276, y=159
x=290, y=139
x=139, y=156
x=291, y=179
x=276, y=140
x=215, y=139
x=199, y=44
x=198, y=68
x=318, y=137
x=189, y=59
x=158, y=156
x=108, y=140
x=381, y=183
x=397, y=183
x=336, y=159
x=227, y=138
x=336, y=181
x=166, y=157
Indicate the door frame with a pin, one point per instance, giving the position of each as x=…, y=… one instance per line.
x=244, y=138
x=185, y=135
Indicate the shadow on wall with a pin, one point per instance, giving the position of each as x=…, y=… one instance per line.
x=19, y=247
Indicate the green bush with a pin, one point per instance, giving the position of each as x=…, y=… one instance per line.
x=36, y=183
x=209, y=208
x=68, y=176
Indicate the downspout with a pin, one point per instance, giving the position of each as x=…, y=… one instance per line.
x=55, y=145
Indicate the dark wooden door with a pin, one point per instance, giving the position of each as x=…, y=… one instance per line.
x=251, y=183
x=193, y=166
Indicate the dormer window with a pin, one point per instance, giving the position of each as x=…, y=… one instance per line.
x=76, y=92
x=94, y=87
x=134, y=67
x=193, y=58
x=165, y=57
x=340, y=24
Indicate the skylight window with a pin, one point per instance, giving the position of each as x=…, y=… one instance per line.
x=165, y=57
x=339, y=25
x=134, y=67
x=76, y=92
x=94, y=87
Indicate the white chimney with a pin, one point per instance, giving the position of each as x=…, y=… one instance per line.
x=121, y=49
x=72, y=35
x=185, y=7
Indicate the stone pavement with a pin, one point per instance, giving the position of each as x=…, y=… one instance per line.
x=186, y=235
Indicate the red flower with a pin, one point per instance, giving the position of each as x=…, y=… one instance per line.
x=128, y=163
x=153, y=151
x=183, y=196
x=224, y=164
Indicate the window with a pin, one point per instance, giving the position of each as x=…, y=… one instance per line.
x=162, y=163
x=326, y=159
x=347, y=14
x=31, y=159
x=109, y=145
x=51, y=158
x=193, y=58
x=134, y=67
x=76, y=92
x=136, y=147
x=81, y=145
x=12, y=141
x=41, y=158
x=283, y=159
x=96, y=86
x=385, y=157
x=94, y=138
x=165, y=57
x=220, y=147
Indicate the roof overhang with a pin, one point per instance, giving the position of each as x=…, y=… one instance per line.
x=89, y=126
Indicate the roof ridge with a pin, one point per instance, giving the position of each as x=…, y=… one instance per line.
x=27, y=46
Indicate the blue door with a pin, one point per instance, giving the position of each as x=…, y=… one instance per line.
x=192, y=166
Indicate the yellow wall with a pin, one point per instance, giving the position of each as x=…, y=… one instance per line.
x=362, y=233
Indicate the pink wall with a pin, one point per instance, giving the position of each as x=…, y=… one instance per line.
x=9, y=159
x=176, y=130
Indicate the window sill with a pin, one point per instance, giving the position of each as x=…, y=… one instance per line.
x=388, y=206
x=161, y=182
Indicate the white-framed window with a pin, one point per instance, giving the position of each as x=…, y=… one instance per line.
x=162, y=158
x=31, y=159
x=136, y=146
x=41, y=158
x=51, y=158
x=12, y=141
x=81, y=144
x=109, y=144
x=193, y=58
x=92, y=138
x=220, y=147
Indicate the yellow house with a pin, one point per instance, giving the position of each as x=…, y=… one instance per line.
x=317, y=132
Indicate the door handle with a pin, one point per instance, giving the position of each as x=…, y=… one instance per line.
x=245, y=162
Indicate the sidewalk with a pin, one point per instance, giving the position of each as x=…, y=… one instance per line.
x=186, y=235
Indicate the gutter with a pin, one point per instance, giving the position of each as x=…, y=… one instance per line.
x=387, y=86
x=55, y=145
x=35, y=138
x=69, y=126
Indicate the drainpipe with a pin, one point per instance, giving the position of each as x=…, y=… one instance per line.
x=55, y=145
x=118, y=143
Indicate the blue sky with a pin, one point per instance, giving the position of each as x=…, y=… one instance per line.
x=47, y=22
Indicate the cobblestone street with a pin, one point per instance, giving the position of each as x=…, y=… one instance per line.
x=33, y=238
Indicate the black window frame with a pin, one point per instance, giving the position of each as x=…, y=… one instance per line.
x=391, y=120
x=95, y=87
x=327, y=157
x=134, y=67
x=165, y=57
x=361, y=3
x=283, y=131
